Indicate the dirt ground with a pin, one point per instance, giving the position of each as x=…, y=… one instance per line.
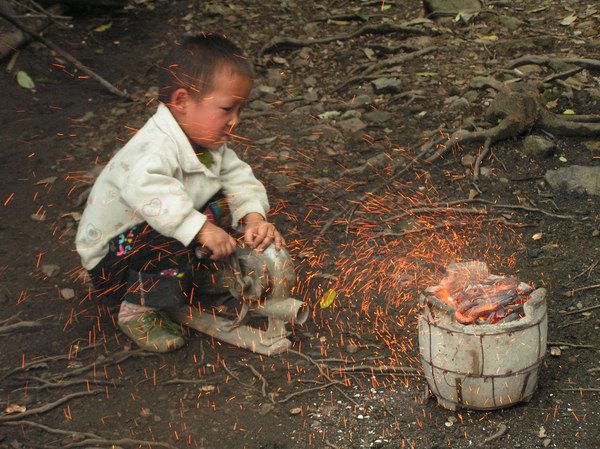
x=325, y=138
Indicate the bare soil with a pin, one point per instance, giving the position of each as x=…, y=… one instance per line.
x=76, y=375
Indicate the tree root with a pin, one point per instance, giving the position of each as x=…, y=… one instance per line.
x=90, y=439
x=47, y=407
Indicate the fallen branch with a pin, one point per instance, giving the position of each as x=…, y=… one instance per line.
x=569, y=345
x=287, y=42
x=262, y=379
x=373, y=71
x=22, y=325
x=595, y=390
x=501, y=431
x=575, y=312
x=306, y=390
x=572, y=292
x=38, y=37
x=380, y=369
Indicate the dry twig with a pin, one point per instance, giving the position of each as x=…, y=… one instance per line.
x=38, y=37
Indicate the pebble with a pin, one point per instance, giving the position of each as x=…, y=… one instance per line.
x=50, y=270
x=67, y=293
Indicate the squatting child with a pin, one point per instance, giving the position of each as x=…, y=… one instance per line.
x=174, y=187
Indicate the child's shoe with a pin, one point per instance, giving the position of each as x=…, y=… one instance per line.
x=153, y=331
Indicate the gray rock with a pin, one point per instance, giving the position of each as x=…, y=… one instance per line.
x=460, y=104
x=282, y=182
x=530, y=69
x=468, y=160
x=451, y=6
x=387, y=85
x=258, y=105
x=265, y=93
x=538, y=147
x=352, y=125
x=310, y=81
x=378, y=116
x=362, y=100
x=592, y=145
x=471, y=96
x=575, y=178
x=594, y=94
x=510, y=22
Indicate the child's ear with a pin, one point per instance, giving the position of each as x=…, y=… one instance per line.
x=179, y=100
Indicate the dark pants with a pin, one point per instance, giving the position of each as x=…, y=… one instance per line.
x=146, y=268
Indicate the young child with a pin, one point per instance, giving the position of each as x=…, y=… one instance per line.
x=174, y=187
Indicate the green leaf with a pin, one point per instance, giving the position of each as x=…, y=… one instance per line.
x=329, y=114
x=562, y=159
x=540, y=9
x=568, y=112
x=386, y=7
x=104, y=27
x=24, y=80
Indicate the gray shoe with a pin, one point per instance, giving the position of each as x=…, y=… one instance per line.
x=154, y=332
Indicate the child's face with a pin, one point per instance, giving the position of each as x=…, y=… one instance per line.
x=210, y=120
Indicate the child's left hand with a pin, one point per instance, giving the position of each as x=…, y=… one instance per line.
x=259, y=234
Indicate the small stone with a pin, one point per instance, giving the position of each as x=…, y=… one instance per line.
x=378, y=116
x=67, y=293
x=387, y=85
x=352, y=125
x=266, y=408
x=460, y=104
x=468, y=160
x=282, y=182
x=39, y=216
x=310, y=81
x=595, y=233
x=351, y=349
x=295, y=411
x=538, y=147
x=485, y=172
x=50, y=270
x=555, y=351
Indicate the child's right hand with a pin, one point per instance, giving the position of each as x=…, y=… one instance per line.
x=216, y=240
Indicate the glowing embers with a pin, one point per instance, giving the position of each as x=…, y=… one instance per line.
x=481, y=364
x=478, y=297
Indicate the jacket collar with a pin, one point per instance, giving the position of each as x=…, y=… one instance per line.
x=165, y=121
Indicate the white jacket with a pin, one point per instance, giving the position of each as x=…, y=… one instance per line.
x=157, y=178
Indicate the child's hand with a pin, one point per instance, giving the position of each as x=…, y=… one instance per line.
x=259, y=234
x=216, y=240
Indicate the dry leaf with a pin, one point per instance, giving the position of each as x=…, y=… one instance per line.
x=15, y=408
x=48, y=180
x=542, y=432
x=296, y=411
x=328, y=298
x=537, y=236
x=569, y=20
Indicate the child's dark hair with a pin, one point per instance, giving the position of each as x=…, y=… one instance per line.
x=194, y=63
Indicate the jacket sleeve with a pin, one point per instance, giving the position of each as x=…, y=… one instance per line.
x=160, y=198
x=244, y=192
